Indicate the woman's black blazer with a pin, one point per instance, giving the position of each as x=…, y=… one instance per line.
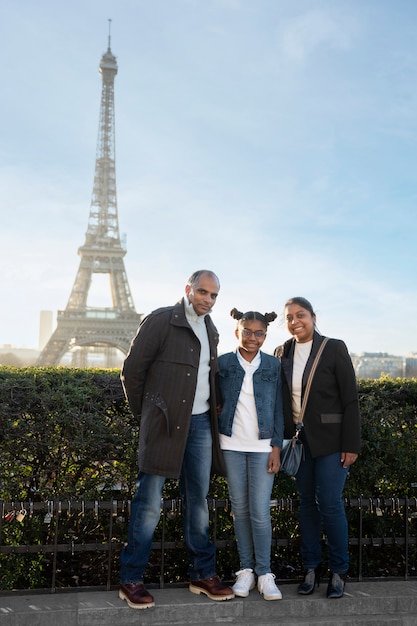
x=332, y=416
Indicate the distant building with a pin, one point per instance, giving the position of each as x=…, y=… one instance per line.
x=11, y=356
x=17, y=357
x=46, y=324
x=411, y=365
x=377, y=364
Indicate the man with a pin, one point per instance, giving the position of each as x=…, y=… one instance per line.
x=169, y=380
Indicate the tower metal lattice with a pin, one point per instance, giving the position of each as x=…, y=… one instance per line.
x=80, y=325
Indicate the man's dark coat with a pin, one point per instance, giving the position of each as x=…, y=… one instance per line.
x=159, y=377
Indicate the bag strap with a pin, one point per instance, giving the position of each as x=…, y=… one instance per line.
x=310, y=379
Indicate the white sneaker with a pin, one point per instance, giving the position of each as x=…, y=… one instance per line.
x=245, y=581
x=267, y=587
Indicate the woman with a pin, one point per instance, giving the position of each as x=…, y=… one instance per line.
x=331, y=438
x=251, y=428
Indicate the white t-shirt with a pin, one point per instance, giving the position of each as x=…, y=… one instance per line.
x=301, y=354
x=245, y=429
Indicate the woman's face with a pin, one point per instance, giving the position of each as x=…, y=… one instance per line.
x=300, y=322
x=249, y=342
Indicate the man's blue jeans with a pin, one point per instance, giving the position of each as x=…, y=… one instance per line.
x=250, y=487
x=146, y=509
x=320, y=484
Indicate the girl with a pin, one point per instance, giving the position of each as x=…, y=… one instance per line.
x=251, y=432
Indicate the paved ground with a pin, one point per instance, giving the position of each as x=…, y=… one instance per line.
x=375, y=603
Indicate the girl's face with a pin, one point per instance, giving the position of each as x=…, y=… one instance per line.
x=300, y=322
x=251, y=335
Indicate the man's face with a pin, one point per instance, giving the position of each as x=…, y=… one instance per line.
x=203, y=294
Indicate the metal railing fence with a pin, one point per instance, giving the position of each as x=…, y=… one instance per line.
x=58, y=545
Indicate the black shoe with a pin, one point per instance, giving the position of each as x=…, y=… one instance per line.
x=311, y=579
x=336, y=586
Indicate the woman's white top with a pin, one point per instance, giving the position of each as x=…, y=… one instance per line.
x=301, y=354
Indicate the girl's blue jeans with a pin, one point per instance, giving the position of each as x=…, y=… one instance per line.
x=250, y=487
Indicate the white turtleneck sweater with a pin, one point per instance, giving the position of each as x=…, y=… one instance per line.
x=202, y=392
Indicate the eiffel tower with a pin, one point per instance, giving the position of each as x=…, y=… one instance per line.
x=90, y=329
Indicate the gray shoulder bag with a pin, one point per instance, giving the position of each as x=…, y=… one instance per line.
x=293, y=451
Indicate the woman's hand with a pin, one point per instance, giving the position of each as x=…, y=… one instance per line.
x=348, y=458
x=274, y=460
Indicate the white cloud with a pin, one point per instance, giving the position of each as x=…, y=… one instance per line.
x=315, y=29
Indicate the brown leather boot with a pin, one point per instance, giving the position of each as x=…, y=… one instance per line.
x=213, y=588
x=136, y=595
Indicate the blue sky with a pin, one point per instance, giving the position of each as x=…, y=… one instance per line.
x=271, y=141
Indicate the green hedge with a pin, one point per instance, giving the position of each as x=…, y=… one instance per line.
x=65, y=433
x=388, y=462
x=68, y=433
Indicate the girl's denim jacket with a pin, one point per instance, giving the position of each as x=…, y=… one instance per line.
x=267, y=394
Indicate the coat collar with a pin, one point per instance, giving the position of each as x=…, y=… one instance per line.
x=178, y=318
x=234, y=361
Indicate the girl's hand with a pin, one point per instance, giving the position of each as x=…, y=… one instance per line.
x=274, y=460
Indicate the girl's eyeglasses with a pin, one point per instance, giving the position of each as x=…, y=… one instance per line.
x=259, y=334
